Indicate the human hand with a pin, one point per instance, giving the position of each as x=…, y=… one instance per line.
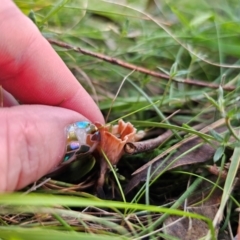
x=33, y=137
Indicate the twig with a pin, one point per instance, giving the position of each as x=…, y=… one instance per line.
x=138, y=68
x=143, y=146
x=35, y=186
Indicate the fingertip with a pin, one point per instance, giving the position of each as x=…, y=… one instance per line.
x=33, y=72
x=85, y=105
x=33, y=142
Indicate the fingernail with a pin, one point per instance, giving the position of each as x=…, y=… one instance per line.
x=82, y=137
x=78, y=138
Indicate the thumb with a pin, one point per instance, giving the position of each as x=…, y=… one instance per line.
x=32, y=142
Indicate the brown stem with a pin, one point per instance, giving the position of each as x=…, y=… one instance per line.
x=137, y=68
x=143, y=146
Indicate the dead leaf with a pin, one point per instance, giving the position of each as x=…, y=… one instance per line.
x=192, y=228
x=201, y=154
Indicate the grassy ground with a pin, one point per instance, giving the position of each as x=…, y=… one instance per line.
x=189, y=54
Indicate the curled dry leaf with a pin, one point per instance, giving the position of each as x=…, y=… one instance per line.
x=113, y=140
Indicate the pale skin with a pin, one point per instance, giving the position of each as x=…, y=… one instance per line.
x=32, y=135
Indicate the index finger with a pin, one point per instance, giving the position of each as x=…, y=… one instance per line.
x=33, y=72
